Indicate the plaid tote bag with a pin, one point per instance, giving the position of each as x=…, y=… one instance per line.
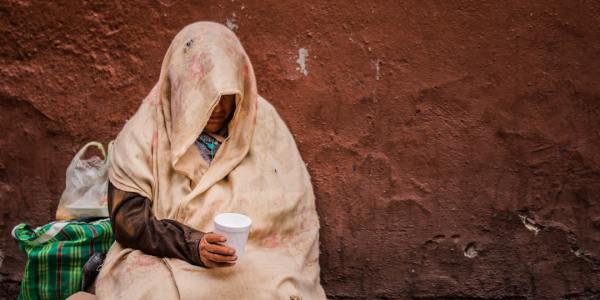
x=56, y=253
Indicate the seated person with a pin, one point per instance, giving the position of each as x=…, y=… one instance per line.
x=203, y=142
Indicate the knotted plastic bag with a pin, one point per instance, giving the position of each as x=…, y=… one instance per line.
x=86, y=186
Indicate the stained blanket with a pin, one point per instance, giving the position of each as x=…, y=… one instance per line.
x=258, y=171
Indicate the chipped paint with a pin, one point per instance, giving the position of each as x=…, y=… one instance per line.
x=231, y=22
x=530, y=224
x=301, y=61
x=376, y=64
x=471, y=250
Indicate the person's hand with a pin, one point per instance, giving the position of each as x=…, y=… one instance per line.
x=214, y=254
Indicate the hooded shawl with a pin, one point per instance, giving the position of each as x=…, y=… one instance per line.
x=258, y=171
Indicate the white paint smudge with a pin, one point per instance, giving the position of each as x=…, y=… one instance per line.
x=530, y=224
x=302, y=55
x=230, y=22
x=376, y=64
x=166, y=3
x=356, y=43
x=471, y=251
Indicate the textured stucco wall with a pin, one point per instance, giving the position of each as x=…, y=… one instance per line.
x=454, y=145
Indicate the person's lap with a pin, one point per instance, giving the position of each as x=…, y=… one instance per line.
x=128, y=274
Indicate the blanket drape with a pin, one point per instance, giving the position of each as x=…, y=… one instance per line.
x=258, y=171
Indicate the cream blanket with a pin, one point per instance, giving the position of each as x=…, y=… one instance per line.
x=258, y=171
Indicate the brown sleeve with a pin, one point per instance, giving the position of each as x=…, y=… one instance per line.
x=135, y=226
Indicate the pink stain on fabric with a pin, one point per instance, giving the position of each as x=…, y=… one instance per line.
x=230, y=50
x=272, y=241
x=154, y=141
x=157, y=101
x=199, y=66
x=174, y=85
x=144, y=260
x=229, y=37
x=303, y=224
x=246, y=70
x=175, y=103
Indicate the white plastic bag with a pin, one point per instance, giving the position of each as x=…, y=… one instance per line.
x=86, y=186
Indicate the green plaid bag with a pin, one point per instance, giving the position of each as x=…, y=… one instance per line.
x=56, y=253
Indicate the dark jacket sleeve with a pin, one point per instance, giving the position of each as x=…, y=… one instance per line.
x=135, y=226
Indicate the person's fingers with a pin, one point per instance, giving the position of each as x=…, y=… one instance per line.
x=225, y=264
x=212, y=264
x=214, y=238
x=217, y=258
x=221, y=258
x=213, y=254
x=219, y=249
x=215, y=247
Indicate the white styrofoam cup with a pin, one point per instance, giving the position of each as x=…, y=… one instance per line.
x=236, y=228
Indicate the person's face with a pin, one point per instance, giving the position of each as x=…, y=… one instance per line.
x=221, y=113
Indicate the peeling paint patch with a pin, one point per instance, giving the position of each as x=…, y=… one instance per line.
x=166, y=3
x=574, y=250
x=302, y=55
x=231, y=22
x=376, y=64
x=455, y=238
x=530, y=224
x=585, y=255
x=471, y=250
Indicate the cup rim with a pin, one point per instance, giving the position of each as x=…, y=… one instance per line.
x=245, y=222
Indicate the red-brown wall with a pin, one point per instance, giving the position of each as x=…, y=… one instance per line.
x=441, y=135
